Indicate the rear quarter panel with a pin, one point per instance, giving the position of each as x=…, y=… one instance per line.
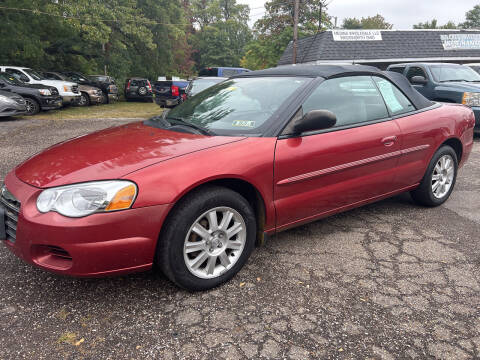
x=427, y=131
x=250, y=160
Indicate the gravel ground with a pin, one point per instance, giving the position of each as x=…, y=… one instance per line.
x=390, y=280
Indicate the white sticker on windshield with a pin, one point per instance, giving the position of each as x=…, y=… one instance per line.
x=389, y=96
x=244, y=123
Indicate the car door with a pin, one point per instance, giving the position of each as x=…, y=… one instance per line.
x=424, y=89
x=320, y=173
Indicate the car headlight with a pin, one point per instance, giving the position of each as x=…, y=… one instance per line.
x=7, y=99
x=67, y=88
x=471, y=99
x=45, y=92
x=88, y=198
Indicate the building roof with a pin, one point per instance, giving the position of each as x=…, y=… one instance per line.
x=394, y=46
x=325, y=71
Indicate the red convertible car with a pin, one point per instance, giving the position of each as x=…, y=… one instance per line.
x=192, y=191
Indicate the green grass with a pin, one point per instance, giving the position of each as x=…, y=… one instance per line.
x=112, y=111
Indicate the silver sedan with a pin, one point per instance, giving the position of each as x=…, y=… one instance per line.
x=11, y=104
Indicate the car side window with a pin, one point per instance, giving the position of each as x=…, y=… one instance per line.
x=396, y=101
x=17, y=74
x=416, y=71
x=399, y=69
x=353, y=100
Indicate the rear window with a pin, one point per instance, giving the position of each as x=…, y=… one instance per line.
x=136, y=82
x=397, y=69
x=208, y=72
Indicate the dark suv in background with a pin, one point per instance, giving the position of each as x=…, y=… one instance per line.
x=170, y=93
x=138, y=89
x=37, y=96
x=444, y=82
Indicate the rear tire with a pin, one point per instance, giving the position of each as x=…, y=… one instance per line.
x=439, y=179
x=227, y=226
x=33, y=107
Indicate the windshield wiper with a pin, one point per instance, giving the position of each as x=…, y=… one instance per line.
x=458, y=80
x=193, y=126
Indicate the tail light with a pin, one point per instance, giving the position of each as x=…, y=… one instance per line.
x=128, y=85
x=110, y=88
x=149, y=85
x=175, y=90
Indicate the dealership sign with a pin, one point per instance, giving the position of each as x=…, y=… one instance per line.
x=357, y=35
x=461, y=41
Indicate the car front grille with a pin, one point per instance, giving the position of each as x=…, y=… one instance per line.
x=54, y=91
x=12, y=209
x=75, y=89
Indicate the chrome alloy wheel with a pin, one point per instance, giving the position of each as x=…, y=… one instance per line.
x=214, y=242
x=442, y=177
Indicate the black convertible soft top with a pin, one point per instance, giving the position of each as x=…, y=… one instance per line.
x=332, y=71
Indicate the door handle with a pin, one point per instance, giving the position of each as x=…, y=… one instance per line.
x=389, y=141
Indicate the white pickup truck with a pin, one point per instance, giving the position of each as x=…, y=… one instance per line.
x=67, y=90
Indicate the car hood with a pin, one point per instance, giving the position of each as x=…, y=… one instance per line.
x=462, y=86
x=111, y=154
x=57, y=83
x=34, y=86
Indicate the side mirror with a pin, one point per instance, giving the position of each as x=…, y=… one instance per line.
x=418, y=80
x=315, y=120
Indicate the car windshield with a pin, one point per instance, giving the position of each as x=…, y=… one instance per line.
x=202, y=84
x=237, y=106
x=443, y=73
x=11, y=80
x=35, y=75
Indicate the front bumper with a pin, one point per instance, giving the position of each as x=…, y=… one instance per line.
x=97, y=245
x=476, y=111
x=13, y=110
x=71, y=99
x=51, y=102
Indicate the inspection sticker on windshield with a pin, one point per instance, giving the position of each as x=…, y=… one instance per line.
x=244, y=123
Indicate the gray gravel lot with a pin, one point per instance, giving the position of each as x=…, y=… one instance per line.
x=390, y=280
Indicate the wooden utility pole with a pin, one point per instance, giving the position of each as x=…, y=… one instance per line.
x=295, y=31
x=320, y=17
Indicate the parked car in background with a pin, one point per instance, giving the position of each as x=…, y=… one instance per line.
x=37, y=96
x=104, y=83
x=108, y=86
x=222, y=71
x=191, y=192
x=202, y=83
x=88, y=94
x=67, y=90
x=170, y=93
x=11, y=104
x=444, y=82
x=138, y=89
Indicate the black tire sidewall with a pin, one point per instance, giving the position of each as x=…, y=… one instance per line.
x=87, y=99
x=180, y=223
x=426, y=185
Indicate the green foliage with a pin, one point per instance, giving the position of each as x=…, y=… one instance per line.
x=434, y=25
x=275, y=30
x=222, y=32
x=472, y=19
x=368, y=23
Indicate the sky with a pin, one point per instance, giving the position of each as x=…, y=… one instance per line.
x=403, y=14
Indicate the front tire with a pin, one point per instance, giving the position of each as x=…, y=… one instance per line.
x=439, y=180
x=207, y=238
x=33, y=107
x=84, y=100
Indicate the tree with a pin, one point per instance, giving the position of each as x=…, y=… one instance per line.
x=434, y=25
x=220, y=32
x=472, y=19
x=370, y=22
x=273, y=31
